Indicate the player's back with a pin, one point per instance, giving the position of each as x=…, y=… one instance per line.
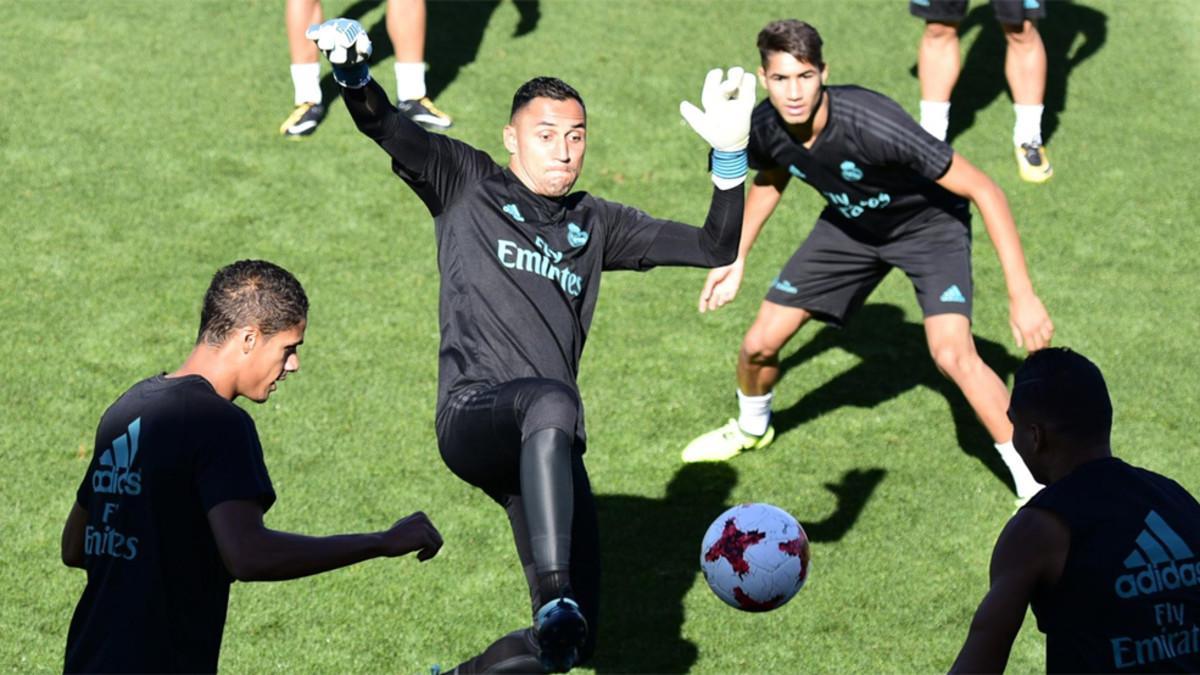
x=157, y=590
x=1129, y=595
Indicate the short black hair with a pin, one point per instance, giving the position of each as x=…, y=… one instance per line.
x=1066, y=391
x=791, y=36
x=251, y=293
x=544, y=87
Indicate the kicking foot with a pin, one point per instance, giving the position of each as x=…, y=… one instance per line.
x=561, y=631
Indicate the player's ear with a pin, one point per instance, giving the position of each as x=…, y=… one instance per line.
x=824, y=73
x=248, y=338
x=1037, y=438
x=762, y=77
x=510, y=139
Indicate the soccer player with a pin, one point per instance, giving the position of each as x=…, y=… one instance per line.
x=1106, y=554
x=520, y=257
x=895, y=199
x=170, y=510
x=1024, y=68
x=405, y=20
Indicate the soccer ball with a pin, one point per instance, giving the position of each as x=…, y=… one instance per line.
x=755, y=557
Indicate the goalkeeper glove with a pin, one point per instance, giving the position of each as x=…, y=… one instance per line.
x=724, y=122
x=347, y=47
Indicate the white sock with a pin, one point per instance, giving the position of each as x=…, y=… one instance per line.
x=410, y=81
x=754, y=413
x=935, y=118
x=306, y=79
x=1025, y=483
x=1028, y=127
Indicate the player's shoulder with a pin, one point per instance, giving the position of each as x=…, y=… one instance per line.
x=862, y=102
x=463, y=152
x=191, y=400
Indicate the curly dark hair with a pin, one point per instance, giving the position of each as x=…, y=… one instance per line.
x=251, y=293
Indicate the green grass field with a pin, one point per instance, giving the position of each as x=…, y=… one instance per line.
x=139, y=152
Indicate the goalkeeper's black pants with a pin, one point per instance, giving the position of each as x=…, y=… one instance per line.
x=517, y=442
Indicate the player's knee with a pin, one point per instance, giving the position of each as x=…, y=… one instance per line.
x=552, y=404
x=955, y=361
x=757, y=350
x=939, y=32
x=1022, y=35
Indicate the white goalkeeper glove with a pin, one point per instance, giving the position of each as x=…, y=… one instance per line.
x=347, y=47
x=724, y=122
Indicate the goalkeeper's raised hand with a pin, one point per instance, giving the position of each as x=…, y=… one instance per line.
x=724, y=122
x=346, y=45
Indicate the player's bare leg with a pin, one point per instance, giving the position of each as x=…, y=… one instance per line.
x=938, y=67
x=1025, y=70
x=757, y=374
x=758, y=360
x=406, y=24
x=298, y=15
x=953, y=350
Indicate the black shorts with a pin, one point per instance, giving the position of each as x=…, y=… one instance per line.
x=480, y=432
x=1008, y=12
x=832, y=273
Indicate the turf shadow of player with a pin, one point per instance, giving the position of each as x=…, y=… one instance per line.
x=894, y=360
x=454, y=32
x=982, y=77
x=651, y=557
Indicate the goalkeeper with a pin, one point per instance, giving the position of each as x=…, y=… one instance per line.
x=520, y=258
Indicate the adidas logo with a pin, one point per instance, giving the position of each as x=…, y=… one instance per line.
x=115, y=475
x=514, y=212
x=785, y=286
x=1167, y=562
x=952, y=294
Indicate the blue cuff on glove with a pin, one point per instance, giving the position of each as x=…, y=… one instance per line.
x=353, y=77
x=729, y=164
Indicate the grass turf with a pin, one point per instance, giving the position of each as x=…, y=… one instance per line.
x=140, y=153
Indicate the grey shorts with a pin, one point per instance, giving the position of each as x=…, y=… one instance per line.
x=832, y=273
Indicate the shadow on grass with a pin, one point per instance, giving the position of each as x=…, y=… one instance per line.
x=982, y=78
x=651, y=558
x=453, y=33
x=895, y=359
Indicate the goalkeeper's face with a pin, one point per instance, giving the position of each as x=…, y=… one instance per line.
x=546, y=140
x=794, y=86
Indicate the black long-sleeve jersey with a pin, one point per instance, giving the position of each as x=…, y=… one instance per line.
x=873, y=164
x=520, y=272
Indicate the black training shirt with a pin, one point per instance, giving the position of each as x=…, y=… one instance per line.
x=520, y=273
x=166, y=452
x=1128, y=599
x=872, y=163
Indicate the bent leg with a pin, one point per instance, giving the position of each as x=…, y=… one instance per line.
x=953, y=350
x=758, y=360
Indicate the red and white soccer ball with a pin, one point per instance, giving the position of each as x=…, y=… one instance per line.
x=755, y=557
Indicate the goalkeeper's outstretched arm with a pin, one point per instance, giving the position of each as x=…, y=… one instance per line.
x=725, y=123
x=348, y=48
x=713, y=245
x=400, y=137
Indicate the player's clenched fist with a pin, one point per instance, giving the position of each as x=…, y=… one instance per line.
x=347, y=46
x=412, y=533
